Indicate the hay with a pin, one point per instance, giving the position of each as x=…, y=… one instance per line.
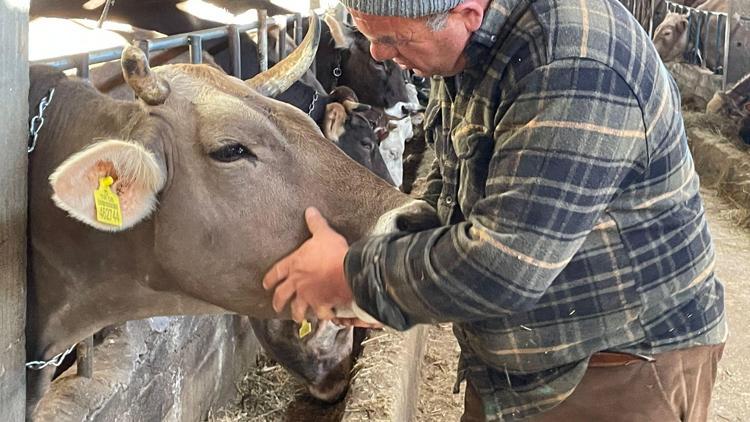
x=721, y=127
x=265, y=395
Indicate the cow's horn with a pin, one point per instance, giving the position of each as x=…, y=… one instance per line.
x=280, y=77
x=146, y=85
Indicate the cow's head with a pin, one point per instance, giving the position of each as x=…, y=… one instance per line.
x=380, y=84
x=671, y=37
x=347, y=125
x=229, y=172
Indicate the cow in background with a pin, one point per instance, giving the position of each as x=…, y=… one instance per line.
x=673, y=37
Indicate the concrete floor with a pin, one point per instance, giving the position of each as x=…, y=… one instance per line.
x=731, y=401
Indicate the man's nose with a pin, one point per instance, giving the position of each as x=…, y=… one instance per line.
x=382, y=52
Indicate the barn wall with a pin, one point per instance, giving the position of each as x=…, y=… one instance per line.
x=14, y=86
x=159, y=369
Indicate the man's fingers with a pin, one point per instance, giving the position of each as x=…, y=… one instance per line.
x=324, y=313
x=282, y=294
x=355, y=322
x=278, y=273
x=315, y=221
x=299, y=307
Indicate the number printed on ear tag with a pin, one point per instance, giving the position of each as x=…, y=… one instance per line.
x=107, y=203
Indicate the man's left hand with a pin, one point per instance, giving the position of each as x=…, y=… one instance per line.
x=313, y=275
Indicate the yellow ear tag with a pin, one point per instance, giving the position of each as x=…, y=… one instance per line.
x=304, y=328
x=107, y=204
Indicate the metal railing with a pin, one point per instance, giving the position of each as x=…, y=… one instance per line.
x=195, y=42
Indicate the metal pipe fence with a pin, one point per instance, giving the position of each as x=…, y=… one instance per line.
x=195, y=41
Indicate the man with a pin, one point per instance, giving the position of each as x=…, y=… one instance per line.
x=575, y=262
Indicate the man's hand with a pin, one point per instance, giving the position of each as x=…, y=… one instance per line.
x=313, y=275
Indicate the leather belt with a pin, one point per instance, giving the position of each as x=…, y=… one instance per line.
x=610, y=359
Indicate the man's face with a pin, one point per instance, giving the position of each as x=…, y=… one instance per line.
x=413, y=45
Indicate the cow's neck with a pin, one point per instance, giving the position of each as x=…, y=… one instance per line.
x=72, y=289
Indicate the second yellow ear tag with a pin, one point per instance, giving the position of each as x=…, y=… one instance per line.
x=107, y=204
x=304, y=328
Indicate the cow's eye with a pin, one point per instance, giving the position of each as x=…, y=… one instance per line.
x=367, y=145
x=231, y=152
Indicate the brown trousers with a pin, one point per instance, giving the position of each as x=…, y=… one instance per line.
x=676, y=386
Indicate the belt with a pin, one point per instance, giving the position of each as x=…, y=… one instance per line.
x=610, y=359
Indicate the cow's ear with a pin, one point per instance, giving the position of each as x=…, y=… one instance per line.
x=352, y=106
x=333, y=122
x=681, y=25
x=341, y=36
x=747, y=107
x=136, y=178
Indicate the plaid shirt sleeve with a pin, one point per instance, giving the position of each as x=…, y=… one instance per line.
x=569, y=139
x=433, y=184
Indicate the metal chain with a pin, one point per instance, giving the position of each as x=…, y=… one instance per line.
x=57, y=360
x=38, y=121
x=312, y=104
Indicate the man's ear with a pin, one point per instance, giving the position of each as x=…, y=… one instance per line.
x=136, y=173
x=471, y=13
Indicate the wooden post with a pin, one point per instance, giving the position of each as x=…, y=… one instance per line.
x=14, y=92
x=738, y=45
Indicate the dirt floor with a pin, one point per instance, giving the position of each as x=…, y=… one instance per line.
x=731, y=396
x=436, y=399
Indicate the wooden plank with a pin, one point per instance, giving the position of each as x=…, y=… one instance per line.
x=738, y=53
x=14, y=88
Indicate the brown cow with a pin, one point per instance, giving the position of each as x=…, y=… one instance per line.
x=212, y=179
x=672, y=37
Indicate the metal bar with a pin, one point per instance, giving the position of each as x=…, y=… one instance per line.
x=196, y=49
x=85, y=357
x=145, y=46
x=165, y=43
x=697, y=53
x=14, y=131
x=738, y=24
x=282, y=39
x=105, y=12
x=297, y=28
x=233, y=36
x=157, y=44
x=720, y=22
x=651, y=19
x=263, y=40
x=690, y=25
x=82, y=65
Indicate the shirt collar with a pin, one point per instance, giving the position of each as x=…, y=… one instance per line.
x=494, y=23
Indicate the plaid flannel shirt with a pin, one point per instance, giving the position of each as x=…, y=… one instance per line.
x=573, y=220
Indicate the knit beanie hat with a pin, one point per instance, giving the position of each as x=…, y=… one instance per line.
x=401, y=8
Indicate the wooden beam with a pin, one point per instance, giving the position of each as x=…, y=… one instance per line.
x=738, y=53
x=14, y=88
